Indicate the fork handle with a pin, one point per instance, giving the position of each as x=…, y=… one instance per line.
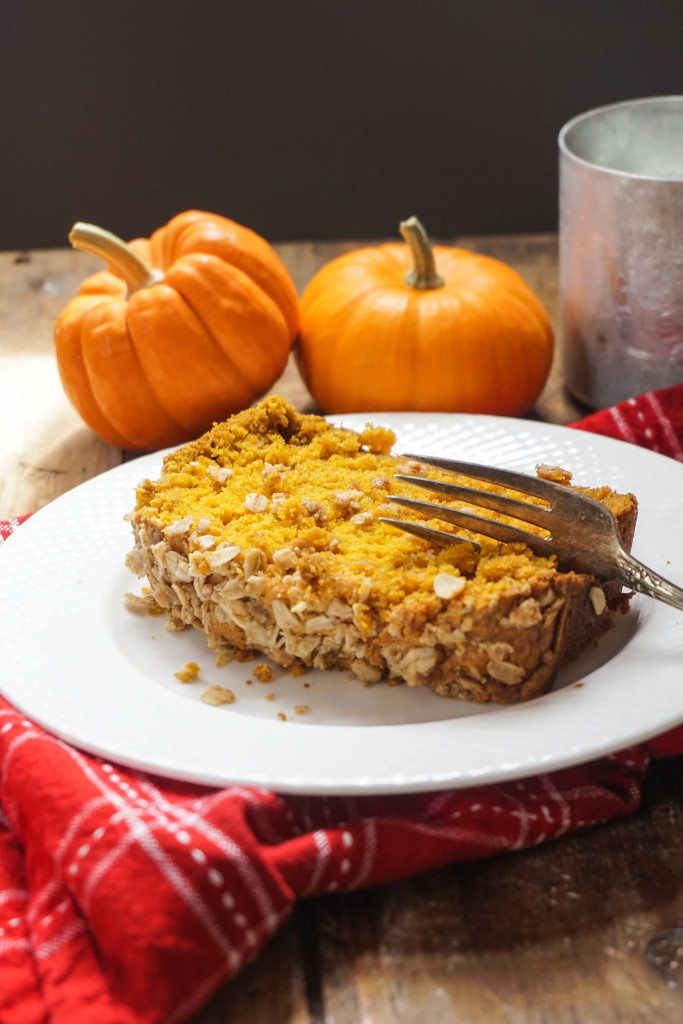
x=634, y=574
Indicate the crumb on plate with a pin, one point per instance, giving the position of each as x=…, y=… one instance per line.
x=217, y=695
x=263, y=672
x=188, y=673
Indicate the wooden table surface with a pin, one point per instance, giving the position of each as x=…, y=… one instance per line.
x=553, y=935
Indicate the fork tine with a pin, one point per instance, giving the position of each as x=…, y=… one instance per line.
x=478, y=524
x=522, y=510
x=428, y=533
x=546, y=489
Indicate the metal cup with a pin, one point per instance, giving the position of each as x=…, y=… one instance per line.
x=621, y=249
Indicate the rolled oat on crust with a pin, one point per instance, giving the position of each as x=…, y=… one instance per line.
x=265, y=535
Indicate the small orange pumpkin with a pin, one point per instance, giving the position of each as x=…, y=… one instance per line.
x=185, y=328
x=411, y=327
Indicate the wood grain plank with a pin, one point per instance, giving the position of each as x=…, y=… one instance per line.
x=271, y=989
x=45, y=449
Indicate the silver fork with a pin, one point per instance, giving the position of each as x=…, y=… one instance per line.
x=580, y=531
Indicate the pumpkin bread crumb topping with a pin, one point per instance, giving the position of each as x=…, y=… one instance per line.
x=265, y=534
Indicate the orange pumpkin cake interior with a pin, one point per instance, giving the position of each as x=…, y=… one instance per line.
x=265, y=534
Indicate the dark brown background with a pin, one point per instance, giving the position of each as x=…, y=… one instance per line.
x=308, y=119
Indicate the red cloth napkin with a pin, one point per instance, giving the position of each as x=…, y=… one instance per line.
x=654, y=421
x=127, y=899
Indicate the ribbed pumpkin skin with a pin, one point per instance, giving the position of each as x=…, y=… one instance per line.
x=161, y=365
x=368, y=341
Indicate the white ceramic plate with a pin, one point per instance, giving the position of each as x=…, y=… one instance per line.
x=74, y=659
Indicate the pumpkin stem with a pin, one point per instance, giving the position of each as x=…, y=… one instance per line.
x=114, y=250
x=423, y=275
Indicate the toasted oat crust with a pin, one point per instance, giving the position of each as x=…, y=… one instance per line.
x=265, y=535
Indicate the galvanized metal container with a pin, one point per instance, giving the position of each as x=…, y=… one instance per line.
x=621, y=249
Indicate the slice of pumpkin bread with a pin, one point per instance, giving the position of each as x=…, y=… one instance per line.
x=265, y=534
